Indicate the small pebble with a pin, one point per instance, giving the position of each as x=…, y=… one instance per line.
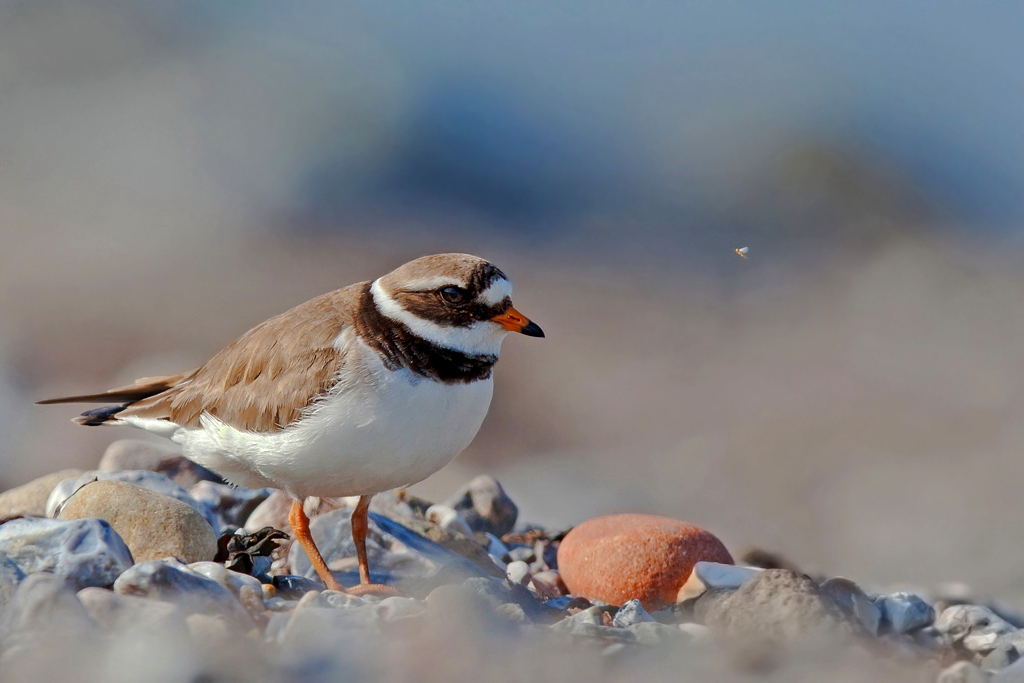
x=632, y=612
x=485, y=506
x=449, y=520
x=518, y=572
x=905, y=612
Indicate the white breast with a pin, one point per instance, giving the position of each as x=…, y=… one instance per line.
x=377, y=430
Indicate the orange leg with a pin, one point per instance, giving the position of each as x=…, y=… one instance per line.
x=360, y=525
x=300, y=527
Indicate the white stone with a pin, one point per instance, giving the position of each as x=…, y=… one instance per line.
x=518, y=572
x=449, y=520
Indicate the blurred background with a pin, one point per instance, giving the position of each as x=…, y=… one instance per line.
x=851, y=395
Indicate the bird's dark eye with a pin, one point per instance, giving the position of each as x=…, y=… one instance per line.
x=454, y=295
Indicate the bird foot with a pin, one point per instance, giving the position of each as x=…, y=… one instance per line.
x=378, y=589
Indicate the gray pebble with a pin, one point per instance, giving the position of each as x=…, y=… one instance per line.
x=905, y=612
x=631, y=612
x=855, y=602
x=172, y=581
x=485, y=506
x=86, y=552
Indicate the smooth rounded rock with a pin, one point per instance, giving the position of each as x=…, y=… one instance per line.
x=630, y=556
x=152, y=481
x=85, y=552
x=29, y=500
x=153, y=525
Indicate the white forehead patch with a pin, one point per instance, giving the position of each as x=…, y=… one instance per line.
x=498, y=290
x=480, y=338
x=431, y=283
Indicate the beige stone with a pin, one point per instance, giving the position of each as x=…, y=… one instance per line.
x=29, y=500
x=152, y=525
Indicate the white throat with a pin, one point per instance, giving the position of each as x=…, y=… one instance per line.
x=480, y=338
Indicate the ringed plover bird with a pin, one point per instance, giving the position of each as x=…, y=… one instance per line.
x=364, y=389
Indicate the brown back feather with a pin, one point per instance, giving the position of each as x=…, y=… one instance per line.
x=263, y=381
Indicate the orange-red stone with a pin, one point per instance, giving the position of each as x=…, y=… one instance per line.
x=621, y=557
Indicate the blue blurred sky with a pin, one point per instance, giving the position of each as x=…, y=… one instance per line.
x=687, y=119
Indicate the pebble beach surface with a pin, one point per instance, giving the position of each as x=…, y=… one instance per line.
x=151, y=569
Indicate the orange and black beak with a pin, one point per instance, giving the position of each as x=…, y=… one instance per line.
x=514, y=321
